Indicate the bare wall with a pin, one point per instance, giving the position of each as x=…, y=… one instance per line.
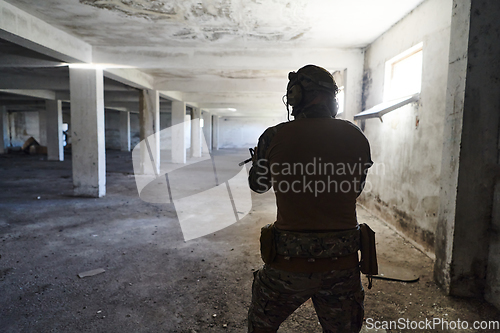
x=112, y=126
x=22, y=125
x=243, y=132
x=407, y=145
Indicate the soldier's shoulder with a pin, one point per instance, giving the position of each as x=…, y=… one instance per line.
x=271, y=131
x=350, y=125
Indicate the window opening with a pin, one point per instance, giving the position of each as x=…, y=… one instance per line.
x=403, y=74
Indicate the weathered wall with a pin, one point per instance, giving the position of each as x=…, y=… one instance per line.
x=467, y=235
x=405, y=191
x=243, y=132
x=475, y=263
x=22, y=125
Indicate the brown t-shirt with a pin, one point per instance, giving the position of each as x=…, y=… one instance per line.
x=316, y=167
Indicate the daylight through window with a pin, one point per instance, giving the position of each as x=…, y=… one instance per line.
x=403, y=74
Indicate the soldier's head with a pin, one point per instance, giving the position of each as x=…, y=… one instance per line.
x=311, y=85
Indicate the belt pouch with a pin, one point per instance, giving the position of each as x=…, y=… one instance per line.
x=368, y=264
x=267, y=243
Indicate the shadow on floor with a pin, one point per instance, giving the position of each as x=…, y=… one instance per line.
x=154, y=281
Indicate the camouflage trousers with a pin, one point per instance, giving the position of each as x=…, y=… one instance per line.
x=337, y=297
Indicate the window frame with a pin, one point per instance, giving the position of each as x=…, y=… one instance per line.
x=389, y=71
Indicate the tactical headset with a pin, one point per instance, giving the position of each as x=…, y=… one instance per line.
x=299, y=81
x=316, y=78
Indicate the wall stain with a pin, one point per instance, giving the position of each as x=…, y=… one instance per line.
x=402, y=220
x=365, y=90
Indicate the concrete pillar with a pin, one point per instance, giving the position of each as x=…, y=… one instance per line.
x=178, y=132
x=125, y=131
x=196, y=133
x=470, y=151
x=215, y=132
x=42, y=126
x=207, y=131
x=149, y=122
x=4, y=129
x=87, y=132
x=55, y=144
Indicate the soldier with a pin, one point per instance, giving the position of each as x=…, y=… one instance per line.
x=317, y=167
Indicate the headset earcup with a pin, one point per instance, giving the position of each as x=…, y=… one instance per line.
x=294, y=95
x=335, y=107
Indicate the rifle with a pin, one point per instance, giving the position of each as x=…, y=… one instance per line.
x=252, y=152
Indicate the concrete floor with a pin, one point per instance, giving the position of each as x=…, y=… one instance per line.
x=154, y=281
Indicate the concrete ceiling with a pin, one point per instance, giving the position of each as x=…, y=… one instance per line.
x=215, y=53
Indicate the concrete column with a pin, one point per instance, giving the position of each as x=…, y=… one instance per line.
x=125, y=131
x=353, y=82
x=149, y=122
x=4, y=129
x=470, y=152
x=87, y=132
x=196, y=133
x=178, y=132
x=55, y=144
x=215, y=132
x=42, y=126
x=207, y=131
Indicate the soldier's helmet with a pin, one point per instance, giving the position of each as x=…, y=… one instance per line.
x=308, y=78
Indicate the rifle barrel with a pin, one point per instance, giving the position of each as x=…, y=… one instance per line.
x=245, y=162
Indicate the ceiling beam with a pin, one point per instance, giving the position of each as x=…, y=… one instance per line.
x=13, y=61
x=130, y=77
x=222, y=84
x=33, y=81
x=24, y=103
x=274, y=58
x=32, y=33
x=43, y=94
x=133, y=106
x=254, y=98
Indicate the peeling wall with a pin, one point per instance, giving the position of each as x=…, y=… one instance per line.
x=243, y=132
x=405, y=191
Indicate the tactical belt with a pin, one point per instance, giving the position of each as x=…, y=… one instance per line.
x=317, y=244
x=314, y=265
x=310, y=251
